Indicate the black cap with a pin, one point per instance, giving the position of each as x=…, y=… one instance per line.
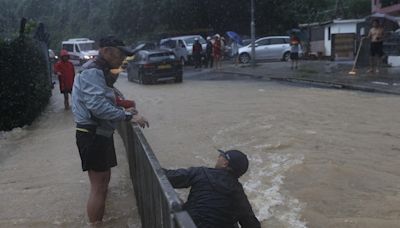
x=238, y=161
x=112, y=41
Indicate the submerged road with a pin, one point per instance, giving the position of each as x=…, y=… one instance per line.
x=318, y=157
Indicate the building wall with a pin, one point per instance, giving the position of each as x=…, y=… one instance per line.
x=337, y=29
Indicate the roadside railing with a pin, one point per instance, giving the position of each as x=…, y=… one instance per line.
x=159, y=205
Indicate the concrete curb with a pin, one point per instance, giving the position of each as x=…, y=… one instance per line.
x=334, y=85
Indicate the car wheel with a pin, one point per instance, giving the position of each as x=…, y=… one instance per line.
x=286, y=56
x=178, y=78
x=244, y=58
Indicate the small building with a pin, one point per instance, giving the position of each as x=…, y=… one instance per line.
x=336, y=39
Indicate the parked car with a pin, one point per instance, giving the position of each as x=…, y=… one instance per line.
x=80, y=50
x=151, y=66
x=142, y=45
x=183, y=45
x=271, y=47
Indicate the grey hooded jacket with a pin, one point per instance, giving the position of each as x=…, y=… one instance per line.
x=93, y=99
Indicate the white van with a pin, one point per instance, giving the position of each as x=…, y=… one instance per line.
x=80, y=50
x=182, y=45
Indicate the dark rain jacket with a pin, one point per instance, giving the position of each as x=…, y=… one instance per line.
x=209, y=48
x=216, y=199
x=197, y=48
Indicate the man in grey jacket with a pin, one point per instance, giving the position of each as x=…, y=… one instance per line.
x=96, y=113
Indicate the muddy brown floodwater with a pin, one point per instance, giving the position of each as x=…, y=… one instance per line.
x=318, y=157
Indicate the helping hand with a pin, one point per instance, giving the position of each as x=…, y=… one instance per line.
x=140, y=120
x=132, y=110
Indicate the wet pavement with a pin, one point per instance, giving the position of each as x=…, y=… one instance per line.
x=323, y=73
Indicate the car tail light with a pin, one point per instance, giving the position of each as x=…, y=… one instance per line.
x=147, y=66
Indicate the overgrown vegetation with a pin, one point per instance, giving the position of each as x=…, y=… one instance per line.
x=153, y=19
x=25, y=88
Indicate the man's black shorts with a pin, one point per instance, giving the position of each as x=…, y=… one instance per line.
x=377, y=49
x=97, y=152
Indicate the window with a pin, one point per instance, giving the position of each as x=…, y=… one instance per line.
x=139, y=57
x=263, y=42
x=68, y=47
x=181, y=44
x=169, y=44
x=329, y=33
x=77, y=48
x=86, y=46
x=277, y=41
x=190, y=40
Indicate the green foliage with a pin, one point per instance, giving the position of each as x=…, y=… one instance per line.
x=152, y=19
x=24, y=84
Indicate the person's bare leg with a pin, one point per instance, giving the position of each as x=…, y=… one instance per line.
x=371, y=64
x=98, y=192
x=66, y=102
x=378, y=63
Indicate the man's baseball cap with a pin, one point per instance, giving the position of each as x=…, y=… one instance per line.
x=238, y=161
x=112, y=41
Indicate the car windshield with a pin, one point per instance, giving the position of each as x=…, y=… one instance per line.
x=161, y=57
x=86, y=46
x=190, y=40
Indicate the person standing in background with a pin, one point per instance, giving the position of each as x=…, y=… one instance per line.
x=66, y=73
x=376, y=35
x=208, y=62
x=217, y=55
x=294, y=50
x=197, y=49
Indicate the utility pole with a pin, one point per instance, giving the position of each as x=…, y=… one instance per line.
x=339, y=9
x=253, y=36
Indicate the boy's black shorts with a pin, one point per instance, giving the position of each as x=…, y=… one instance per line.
x=294, y=56
x=97, y=152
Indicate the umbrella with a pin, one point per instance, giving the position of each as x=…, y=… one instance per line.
x=387, y=21
x=300, y=34
x=235, y=37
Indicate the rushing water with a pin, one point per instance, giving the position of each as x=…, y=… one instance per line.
x=41, y=182
x=318, y=157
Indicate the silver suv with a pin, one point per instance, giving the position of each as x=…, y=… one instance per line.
x=270, y=47
x=182, y=45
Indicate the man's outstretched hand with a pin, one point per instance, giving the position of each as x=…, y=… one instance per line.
x=139, y=119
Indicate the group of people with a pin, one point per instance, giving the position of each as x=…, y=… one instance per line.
x=216, y=199
x=213, y=53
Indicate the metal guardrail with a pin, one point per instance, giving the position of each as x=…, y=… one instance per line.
x=159, y=205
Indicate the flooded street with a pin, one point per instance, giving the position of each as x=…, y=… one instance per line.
x=318, y=157
x=41, y=182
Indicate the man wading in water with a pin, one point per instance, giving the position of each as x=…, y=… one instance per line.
x=96, y=113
